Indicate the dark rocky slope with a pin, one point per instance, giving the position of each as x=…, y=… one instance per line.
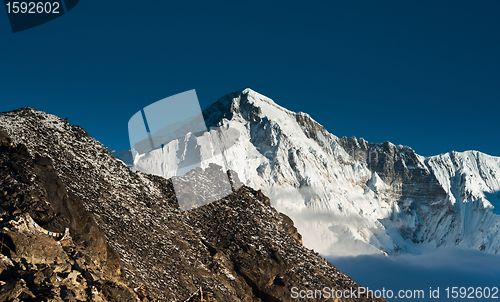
x=129, y=240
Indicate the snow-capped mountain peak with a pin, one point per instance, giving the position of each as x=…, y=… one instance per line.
x=348, y=196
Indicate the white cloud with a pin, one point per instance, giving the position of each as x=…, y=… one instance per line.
x=443, y=268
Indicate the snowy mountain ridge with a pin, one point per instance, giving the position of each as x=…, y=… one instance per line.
x=347, y=196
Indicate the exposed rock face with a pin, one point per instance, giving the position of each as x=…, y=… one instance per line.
x=257, y=240
x=35, y=266
x=413, y=186
x=130, y=240
x=33, y=186
x=42, y=269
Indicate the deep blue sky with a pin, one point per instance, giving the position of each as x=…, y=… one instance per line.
x=419, y=73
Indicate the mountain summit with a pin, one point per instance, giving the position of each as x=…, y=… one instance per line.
x=348, y=196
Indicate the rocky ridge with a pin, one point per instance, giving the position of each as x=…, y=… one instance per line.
x=130, y=241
